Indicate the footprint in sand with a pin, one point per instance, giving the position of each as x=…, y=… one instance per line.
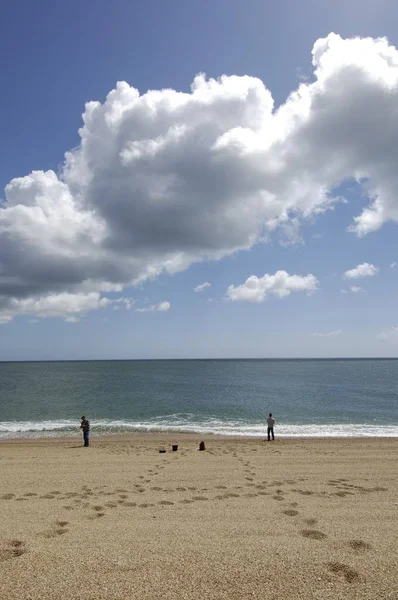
x=231, y=495
x=186, y=501
x=7, y=496
x=29, y=494
x=359, y=545
x=311, y=521
x=290, y=512
x=12, y=549
x=304, y=492
x=280, y=498
x=166, y=503
x=344, y=570
x=61, y=524
x=97, y=515
x=199, y=498
x=52, y=533
x=313, y=534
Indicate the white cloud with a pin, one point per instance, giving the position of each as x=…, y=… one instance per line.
x=391, y=333
x=202, y=286
x=70, y=307
x=355, y=289
x=256, y=289
x=165, y=179
x=327, y=334
x=72, y=319
x=393, y=265
x=161, y=307
x=363, y=270
x=4, y=319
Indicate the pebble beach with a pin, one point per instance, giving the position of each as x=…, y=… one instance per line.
x=306, y=518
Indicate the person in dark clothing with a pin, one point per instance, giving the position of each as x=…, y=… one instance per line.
x=270, y=428
x=85, y=425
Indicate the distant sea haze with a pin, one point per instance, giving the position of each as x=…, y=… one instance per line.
x=309, y=398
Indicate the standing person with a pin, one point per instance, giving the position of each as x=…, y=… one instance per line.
x=85, y=425
x=270, y=430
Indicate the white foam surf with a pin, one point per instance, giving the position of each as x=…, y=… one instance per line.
x=190, y=424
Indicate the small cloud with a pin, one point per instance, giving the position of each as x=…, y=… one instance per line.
x=281, y=284
x=202, y=286
x=393, y=265
x=69, y=307
x=5, y=319
x=355, y=289
x=390, y=333
x=327, y=334
x=344, y=291
x=363, y=270
x=316, y=236
x=161, y=307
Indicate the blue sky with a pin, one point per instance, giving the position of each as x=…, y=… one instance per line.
x=57, y=56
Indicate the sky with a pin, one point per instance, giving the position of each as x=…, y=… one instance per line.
x=198, y=179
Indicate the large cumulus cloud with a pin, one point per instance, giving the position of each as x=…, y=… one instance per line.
x=164, y=179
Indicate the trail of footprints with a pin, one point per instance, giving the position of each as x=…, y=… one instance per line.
x=121, y=498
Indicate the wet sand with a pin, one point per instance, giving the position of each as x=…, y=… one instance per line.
x=310, y=519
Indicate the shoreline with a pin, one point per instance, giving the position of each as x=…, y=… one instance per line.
x=170, y=438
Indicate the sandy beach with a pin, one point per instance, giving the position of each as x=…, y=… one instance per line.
x=311, y=519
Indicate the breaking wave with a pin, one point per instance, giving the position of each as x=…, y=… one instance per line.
x=187, y=423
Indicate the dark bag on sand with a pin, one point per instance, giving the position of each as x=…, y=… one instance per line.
x=202, y=446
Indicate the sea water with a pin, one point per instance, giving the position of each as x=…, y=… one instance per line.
x=309, y=398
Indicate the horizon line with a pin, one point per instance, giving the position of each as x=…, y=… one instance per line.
x=292, y=358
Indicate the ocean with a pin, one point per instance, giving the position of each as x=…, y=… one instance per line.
x=309, y=398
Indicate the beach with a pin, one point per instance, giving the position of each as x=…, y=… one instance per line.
x=294, y=518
